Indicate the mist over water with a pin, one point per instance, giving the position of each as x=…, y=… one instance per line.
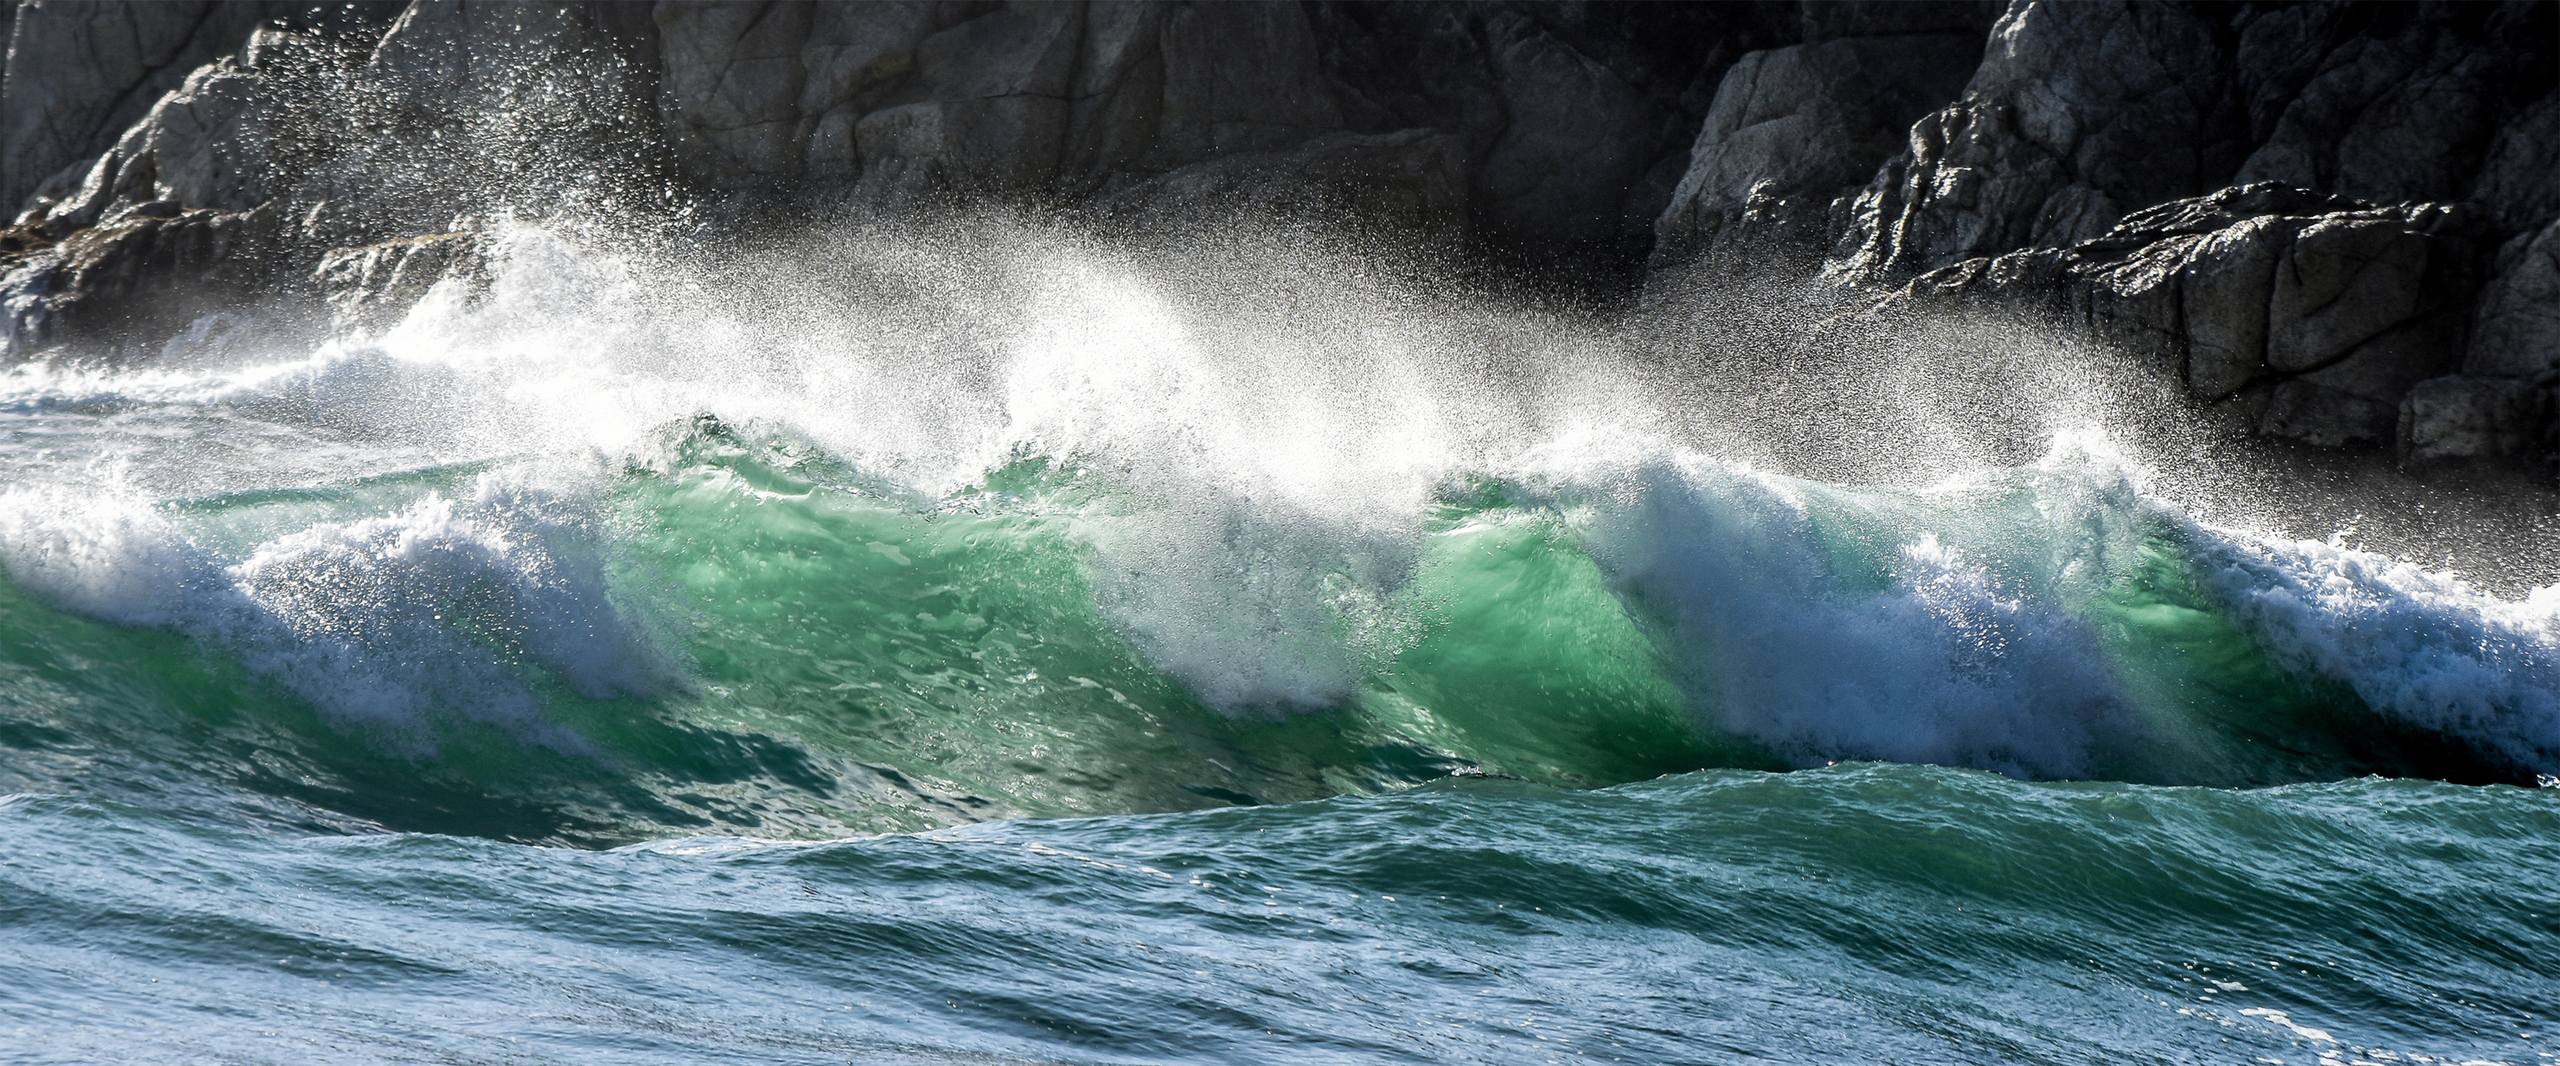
x=1273, y=479
x=622, y=540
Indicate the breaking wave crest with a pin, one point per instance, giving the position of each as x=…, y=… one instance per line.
x=1041, y=527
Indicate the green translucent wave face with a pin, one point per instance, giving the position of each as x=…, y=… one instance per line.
x=850, y=657
x=952, y=662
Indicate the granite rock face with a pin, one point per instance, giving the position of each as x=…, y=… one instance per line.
x=2369, y=160
x=1558, y=115
x=1540, y=131
x=2084, y=112
x=143, y=278
x=1794, y=132
x=2336, y=216
x=373, y=284
x=2318, y=311
x=2460, y=417
x=2516, y=333
x=80, y=72
x=2079, y=113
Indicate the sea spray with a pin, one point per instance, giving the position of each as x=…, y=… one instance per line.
x=796, y=591
x=1017, y=521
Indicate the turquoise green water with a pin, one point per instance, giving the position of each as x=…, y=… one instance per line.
x=753, y=641
x=1529, y=830
x=1142, y=695
x=1855, y=914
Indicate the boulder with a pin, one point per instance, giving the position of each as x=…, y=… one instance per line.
x=1569, y=118
x=2059, y=154
x=2515, y=330
x=1897, y=18
x=1573, y=143
x=2319, y=311
x=2084, y=112
x=2381, y=104
x=211, y=142
x=1414, y=181
x=1597, y=107
x=369, y=286
x=917, y=103
x=80, y=72
x=2080, y=113
x=122, y=288
x=1796, y=130
x=2520, y=179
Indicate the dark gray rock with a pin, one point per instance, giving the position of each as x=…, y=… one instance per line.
x=1598, y=108
x=2084, y=112
x=922, y=103
x=122, y=288
x=2520, y=180
x=81, y=71
x=2515, y=330
x=2058, y=154
x=1568, y=118
x=368, y=286
x=205, y=144
x=2380, y=105
x=2318, y=311
x=1794, y=131
x=1895, y=18
x=1412, y=180
x=2458, y=417
x=2080, y=113
x=1574, y=141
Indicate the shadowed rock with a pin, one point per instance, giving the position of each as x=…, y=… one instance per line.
x=2318, y=312
x=1794, y=132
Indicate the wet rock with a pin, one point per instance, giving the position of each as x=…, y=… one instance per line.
x=1892, y=18
x=2320, y=311
x=1569, y=118
x=1414, y=181
x=122, y=288
x=1795, y=131
x=2084, y=112
x=2387, y=104
x=1572, y=143
x=2458, y=417
x=208, y=143
x=2080, y=113
x=367, y=287
x=2520, y=180
x=80, y=72
x=916, y=103
x=2061, y=154
x=2516, y=328
x=1598, y=106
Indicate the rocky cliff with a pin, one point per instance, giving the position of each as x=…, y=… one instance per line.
x=2340, y=221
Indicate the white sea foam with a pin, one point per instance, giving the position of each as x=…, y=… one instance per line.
x=2421, y=647
x=1933, y=659
x=445, y=608
x=103, y=554
x=1273, y=428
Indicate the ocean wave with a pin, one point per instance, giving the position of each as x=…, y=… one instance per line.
x=1022, y=523
x=447, y=607
x=1047, y=642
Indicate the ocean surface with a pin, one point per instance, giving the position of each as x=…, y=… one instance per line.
x=1036, y=650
